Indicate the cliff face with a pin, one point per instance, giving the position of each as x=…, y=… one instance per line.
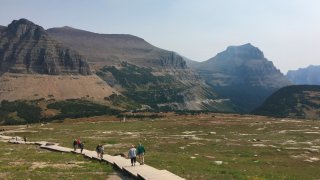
x=243, y=74
x=27, y=48
x=172, y=60
x=308, y=76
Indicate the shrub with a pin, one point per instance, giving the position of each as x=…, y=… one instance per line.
x=80, y=108
x=26, y=112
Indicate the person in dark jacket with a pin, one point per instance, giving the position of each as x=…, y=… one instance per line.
x=81, y=146
x=140, y=152
x=98, y=150
x=75, y=144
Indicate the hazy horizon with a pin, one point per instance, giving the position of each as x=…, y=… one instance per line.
x=287, y=31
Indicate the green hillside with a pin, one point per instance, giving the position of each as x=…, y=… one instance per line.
x=299, y=101
x=160, y=91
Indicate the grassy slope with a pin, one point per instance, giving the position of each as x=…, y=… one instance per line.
x=287, y=145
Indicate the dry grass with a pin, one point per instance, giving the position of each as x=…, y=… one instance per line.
x=30, y=87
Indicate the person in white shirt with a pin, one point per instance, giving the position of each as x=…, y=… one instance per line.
x=132, y=154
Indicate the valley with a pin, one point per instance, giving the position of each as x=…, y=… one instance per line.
x=212, y=89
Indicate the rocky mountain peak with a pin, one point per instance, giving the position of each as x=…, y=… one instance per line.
x=23, y=27
x=243, y=74
x=27, y=48
x=247, y=51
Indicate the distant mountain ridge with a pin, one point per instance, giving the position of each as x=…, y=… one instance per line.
x=298, y=101
x=307, y=76
x=243, y=74
x=107, y=49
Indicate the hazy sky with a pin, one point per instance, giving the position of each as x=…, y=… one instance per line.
x=287, y=31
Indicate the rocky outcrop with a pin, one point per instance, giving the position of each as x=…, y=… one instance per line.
x=243, y=74
x=172, y=60
x=27, y=48
x=308, y=76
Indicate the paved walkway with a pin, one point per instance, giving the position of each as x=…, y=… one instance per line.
x=139, y=171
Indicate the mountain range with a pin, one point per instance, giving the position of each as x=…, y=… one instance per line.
x=120, y=71
x=305, y=76
x=58, y=68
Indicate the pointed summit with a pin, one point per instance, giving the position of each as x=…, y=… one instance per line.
x=247, y=51
x=25, y=28
x=22, y=21
x=243, y=74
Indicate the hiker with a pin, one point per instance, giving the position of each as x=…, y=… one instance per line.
x=132, y=154
x=140, y=152
x=78, y=142
x=101, y=151
x=98, y=150
x=25, y=139
x=75, y=144
x=81, y=146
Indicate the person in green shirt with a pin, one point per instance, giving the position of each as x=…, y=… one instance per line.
x=140, y=152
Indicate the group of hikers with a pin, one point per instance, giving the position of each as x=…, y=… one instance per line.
x=133, y=152
x=79, y=144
